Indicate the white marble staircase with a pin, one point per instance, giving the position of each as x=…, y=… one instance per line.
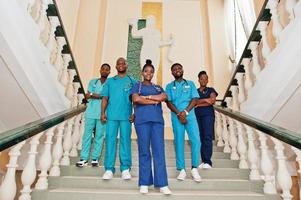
x=224, y=181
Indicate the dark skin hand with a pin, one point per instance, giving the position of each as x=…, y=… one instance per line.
x=177, y=72
x=203, y=81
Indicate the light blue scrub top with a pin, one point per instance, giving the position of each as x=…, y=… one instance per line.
x=118, y=92
x=180, y=95
x=94, y=105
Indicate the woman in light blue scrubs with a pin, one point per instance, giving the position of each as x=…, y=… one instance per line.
x=149, y=125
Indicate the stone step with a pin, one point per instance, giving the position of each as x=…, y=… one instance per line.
x=217, y=163
x=174, y=184
x=154, y=194
x=216, y=155
x=170, y=147
x=214, y=173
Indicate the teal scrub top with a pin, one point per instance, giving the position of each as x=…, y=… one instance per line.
x=118, y=92
x=94, y=105
x=180, y=95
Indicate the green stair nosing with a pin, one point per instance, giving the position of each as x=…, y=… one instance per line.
x=256, y=36
x=266, y=15
x=59, y=31
x=51, y=10
x=247, y=53
x=66, y=49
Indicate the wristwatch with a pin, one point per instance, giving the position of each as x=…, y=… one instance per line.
x=186, y=112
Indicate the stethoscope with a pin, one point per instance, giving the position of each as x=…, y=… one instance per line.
x=129, y=86
x=186, y=86
x=95, y=84
x=158, y=89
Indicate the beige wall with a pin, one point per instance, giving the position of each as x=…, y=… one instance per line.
x=116, y=29
x=86, y=37
x=99, y=26
x=219, y=46
x=69, y=13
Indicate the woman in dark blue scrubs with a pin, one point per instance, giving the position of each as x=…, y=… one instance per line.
x=204, y=112
x=149, y=125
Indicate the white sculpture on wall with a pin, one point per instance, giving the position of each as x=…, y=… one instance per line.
x=151, y=37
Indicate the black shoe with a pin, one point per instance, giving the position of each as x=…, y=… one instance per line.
x=94, y=163
x=81, y=163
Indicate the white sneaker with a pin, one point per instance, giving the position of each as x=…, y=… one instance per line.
x=206, y=166
x=195, y=175
x=107, y=175
x=143, y=189
x=182, y=175
x=165, y=190
x=201, y=165
x=125, y=174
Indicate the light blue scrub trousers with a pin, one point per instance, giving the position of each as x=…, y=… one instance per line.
x=192, y=130
x=125, y=156
x=90, y=124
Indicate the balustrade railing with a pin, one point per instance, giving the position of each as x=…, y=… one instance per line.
x=53, y=36
x=257, y=52
x=55, y=135
x=263, y=148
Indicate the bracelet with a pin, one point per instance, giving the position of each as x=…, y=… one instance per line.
x=149, y=97
x=186, y=112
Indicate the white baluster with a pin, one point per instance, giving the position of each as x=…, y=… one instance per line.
x=277, y=27
x=266, y=50
x=266, y=166
x=252, y=155
x=42, y=16
x=248, y=82
x=235, y=103
x=298, y=159
x=256, y=67
x=75, y=98
x=29, y=172
x=35, y=8
x=59, y=60
x=241, y=87
x=70, y=88
x=283, y=176
x=67, y=144
x=75, y=136
x=233, y=140
x=225, y=135
x=241, y=147
x=289, y=5
x=8, y=188
x=65, y=76
x=219, y=130
x=57, y=151
x=45, y=161
x=29, y=5
x=54, y=22
x=81, y=131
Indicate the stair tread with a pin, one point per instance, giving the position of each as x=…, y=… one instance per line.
x=136, y=179
x=155, y=192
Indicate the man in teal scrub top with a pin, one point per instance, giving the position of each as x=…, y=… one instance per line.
x=117, y=113
x=92, y=120
x=181, y=95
